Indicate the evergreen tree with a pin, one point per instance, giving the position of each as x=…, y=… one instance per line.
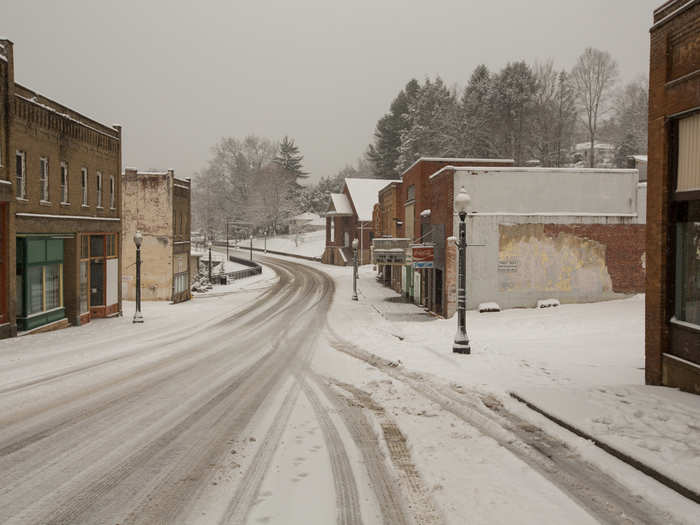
x=429, y=131
x=476, y=115
x=384, y=152
x=289, y=158
x=514, y=88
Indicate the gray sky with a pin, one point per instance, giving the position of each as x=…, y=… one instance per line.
x=180, y=75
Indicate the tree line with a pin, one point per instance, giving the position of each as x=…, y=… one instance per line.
x=524, y=112
x=530, y=113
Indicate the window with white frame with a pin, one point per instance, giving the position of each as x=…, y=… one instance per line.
x=99, y=189
x=21, y=174
x=64, y=183
x=84, y=185
x=111, y=192
x=44, y=179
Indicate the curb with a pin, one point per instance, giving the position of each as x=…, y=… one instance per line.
x=622, y=456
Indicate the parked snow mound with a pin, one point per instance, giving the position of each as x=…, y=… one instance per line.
x=489, y=307
x=547, y=303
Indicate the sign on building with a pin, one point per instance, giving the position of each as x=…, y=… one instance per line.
x=389, y=251
x=423, y=256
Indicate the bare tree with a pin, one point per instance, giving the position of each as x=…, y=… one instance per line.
x=593, y=76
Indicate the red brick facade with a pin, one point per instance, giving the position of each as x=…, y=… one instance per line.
x=625, y=254
x=674, y=88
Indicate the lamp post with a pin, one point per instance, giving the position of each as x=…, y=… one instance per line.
x=251, y=246
x=209, y=246
x=138, y=239
x=461, y=342
x=265, y=234
x=355, y=244
x=227, y=221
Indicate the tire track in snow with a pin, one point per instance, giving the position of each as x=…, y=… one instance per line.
x=597, y=492
x=347, y=498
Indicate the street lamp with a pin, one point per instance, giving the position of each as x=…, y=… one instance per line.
x=355, y=244
x=251, y=246
x=138, y=239
x=461, y=342
x=265, y=234
x=209, y=246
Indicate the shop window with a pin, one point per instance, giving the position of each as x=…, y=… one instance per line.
x=35, y=277
x=21, y=174
x=97, y=246
x=84, y=285
x=44, y=179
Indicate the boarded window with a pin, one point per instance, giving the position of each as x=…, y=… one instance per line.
x=689, y=153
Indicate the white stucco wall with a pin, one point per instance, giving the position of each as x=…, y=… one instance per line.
x=513, y=196
x=549, y=190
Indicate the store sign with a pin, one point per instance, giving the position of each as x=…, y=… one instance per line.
x=423, y=256
x=389, y=251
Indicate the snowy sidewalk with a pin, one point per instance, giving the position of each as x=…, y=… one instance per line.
x=581, y=363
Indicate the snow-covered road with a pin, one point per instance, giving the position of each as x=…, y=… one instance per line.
x=252, y=407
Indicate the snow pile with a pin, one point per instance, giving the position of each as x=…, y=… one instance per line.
x=489, y=307
x=547, y=303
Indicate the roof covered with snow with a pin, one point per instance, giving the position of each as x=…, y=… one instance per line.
x=457, y=159
x=339, y=205
x=365, y=194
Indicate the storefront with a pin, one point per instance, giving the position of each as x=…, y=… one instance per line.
x=99, y=275
x=39, y=281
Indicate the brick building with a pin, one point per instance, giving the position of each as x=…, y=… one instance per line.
x=59, y=210
x=406, y=208
x=349, y=216
x=673, y=200
x=158, y=205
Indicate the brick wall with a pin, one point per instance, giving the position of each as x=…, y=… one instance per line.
x=674, y=52
x=625, y=253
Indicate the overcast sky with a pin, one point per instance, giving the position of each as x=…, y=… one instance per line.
x=179, y=75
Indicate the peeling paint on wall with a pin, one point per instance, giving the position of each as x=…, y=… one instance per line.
x=529, y=259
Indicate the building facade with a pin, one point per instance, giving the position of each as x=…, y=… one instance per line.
x=350, y=216
x=157, y=204
x=59, y=210
x=673, y=198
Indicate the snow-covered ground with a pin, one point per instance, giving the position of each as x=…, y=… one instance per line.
x=581, y=362
x=310, y=244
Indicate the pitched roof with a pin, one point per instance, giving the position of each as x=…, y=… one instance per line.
x=339, y=205
x=364, y=194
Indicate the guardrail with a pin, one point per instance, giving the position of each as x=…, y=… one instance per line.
x=263, y=250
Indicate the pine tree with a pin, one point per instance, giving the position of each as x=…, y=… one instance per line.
x=384, y=152
x=289, y=158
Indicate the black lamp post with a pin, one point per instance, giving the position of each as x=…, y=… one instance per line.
x=209, y=246
x=251, y=246
x=138, y=239
x=355, y=244
x=461, y=342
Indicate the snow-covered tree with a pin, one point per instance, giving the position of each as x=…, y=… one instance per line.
x=514, y=90
x=430, y=127
x=383, y=153
x=593, y=77
x=290, y=159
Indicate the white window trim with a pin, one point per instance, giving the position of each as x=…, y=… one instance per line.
x=65, y=189
x=84, y=185
x=44, y=183
x=99, y=190
x=22, y=187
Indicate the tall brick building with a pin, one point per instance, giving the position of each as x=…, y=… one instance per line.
x=158, y=205
x=673, y=200
x=59, y=210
